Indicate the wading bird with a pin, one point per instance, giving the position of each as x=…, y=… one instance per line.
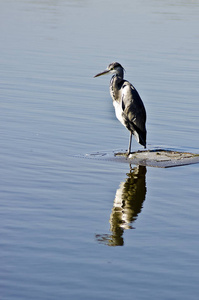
x=129, y=108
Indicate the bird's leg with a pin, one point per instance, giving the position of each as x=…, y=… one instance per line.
x=130, y=140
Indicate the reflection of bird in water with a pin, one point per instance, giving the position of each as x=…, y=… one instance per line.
x=127, y=205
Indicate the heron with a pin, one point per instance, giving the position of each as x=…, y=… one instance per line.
x=129, y=108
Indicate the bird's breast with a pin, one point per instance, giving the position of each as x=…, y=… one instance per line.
x=119, y=112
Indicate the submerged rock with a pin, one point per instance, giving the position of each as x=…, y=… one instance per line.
x=161, y=158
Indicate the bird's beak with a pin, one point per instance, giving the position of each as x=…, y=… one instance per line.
x=102, y=73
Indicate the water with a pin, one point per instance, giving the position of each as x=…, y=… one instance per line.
x=64, y=234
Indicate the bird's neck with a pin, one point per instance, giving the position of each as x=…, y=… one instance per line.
x=115, y=86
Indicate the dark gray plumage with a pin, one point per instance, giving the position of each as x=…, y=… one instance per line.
x=129, y=108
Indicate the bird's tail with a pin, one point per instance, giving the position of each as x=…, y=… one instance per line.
x=140, y=136
x=142, y=139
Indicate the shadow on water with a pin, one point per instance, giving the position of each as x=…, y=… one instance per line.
x=127, y=205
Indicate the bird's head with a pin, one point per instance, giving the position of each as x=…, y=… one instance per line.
x=113, y=68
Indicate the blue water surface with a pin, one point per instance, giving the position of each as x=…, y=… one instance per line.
x=74, y=228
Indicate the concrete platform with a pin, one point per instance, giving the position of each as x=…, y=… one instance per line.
x=160, y=158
